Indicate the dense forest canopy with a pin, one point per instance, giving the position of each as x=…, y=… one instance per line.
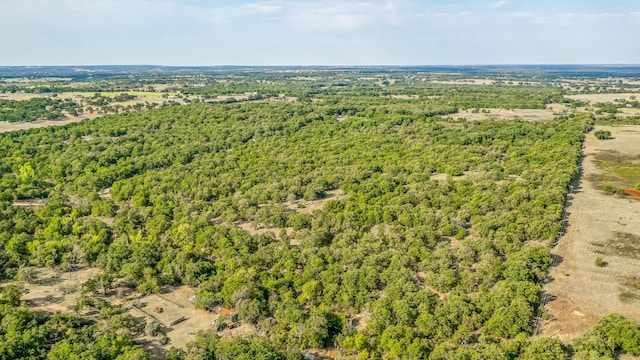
x=437, y=249
x=34, y=109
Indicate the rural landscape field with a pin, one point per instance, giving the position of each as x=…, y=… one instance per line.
x=332, y=213
x=319, y=180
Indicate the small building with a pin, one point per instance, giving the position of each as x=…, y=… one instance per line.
x=46, y=95
x=231, y=314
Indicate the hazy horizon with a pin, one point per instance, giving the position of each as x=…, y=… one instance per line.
x=318, y=32
x=302, y=66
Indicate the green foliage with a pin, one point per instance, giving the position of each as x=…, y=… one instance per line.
x=182, y=178
x=209, y=346
x=611, y=334
x=599, y=262
x=11, y=295
x=34, y=109
x=124, y=97
x=602, y=134
x=25, y=336
x=545, y=349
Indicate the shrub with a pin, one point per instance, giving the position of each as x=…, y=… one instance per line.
x=602, y=134
x=600, y=262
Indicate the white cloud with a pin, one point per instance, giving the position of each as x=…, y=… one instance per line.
x=347, y=15
x=263, y=8
x=520, y=14
x=500, y=3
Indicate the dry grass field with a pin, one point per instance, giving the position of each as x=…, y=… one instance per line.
x=53, y=291
x=465, y=81
x=18, y=96
x=603, y=226
x=142, y=97
x=547, y=114
x=179, y=318
x=602, y=98
x=7, y=126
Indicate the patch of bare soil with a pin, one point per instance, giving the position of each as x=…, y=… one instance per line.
x=105, y=193
x=453, y=242
x=405, y=97
x=299, y=206
x=308, y=206
x=628, y=112
x=238, y=97
x=284, y=98
x=9, y=126
x=547, y=114
x=178, y=318
x=466, y=81
x=18, y=96
x=53, y=291
x=258, y=229
x=444, y=177
x=378, y=231
x=361, y=320
x=29, y=203
x=602, y=98
x=442, y=296
x=599, y=225
x=109, y=221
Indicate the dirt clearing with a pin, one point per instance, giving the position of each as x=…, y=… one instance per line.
x=33, y=203
x=465, y=81
x=602, y=226
x=259, y=229
x=178, y=317
x=9, y=126
x=547, y=114
x=300, y=206
x=51, y=291
x=602, y=98
x=308, y=206
x=18, y=96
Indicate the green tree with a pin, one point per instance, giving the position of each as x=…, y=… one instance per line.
x=11, y=295
x=602, y=134
x=545, y=349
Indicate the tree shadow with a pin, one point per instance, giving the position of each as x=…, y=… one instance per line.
x=557, y=260
x=547, y=298
x=47, y=300
x=49, y=281
x=574, y=187
x=156, y=350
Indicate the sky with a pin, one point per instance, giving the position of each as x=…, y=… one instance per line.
x=318, y=32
